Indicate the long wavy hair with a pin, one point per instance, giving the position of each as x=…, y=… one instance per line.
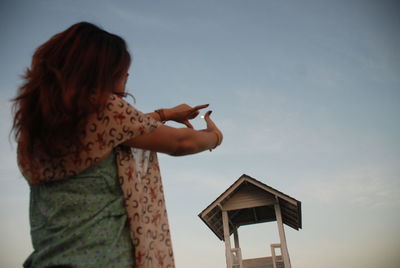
x=71, y=76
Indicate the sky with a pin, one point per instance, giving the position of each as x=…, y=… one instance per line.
x=306, y=93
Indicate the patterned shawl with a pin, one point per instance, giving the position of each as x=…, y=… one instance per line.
x=138, y=174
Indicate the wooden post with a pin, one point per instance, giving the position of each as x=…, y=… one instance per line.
x=236, y=237
x=228, y=254
x=284, y=249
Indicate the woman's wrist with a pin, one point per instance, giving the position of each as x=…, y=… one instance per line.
x=161, y=113
x=219, y=138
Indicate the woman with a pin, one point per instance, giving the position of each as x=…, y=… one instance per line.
x=90, y=158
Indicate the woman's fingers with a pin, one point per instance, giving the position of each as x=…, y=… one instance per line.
x=193, y=115
x=199, y=107
x=207, y=115
x=210, y=123
x=183, y=113
x=195, y=110
x=187, y=123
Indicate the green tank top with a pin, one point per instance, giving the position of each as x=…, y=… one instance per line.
x=80, y=221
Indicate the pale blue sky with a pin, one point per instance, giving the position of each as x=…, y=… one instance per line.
x=307, y=94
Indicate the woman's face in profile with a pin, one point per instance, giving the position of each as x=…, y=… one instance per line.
x=122, y=83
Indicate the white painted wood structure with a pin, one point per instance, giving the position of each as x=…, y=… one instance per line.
x=249, y=201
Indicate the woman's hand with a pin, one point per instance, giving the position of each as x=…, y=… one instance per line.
x=211, y=127
x=183, y=113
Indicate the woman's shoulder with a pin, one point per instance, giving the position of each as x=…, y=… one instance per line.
x=117, y=107
x=118, y=122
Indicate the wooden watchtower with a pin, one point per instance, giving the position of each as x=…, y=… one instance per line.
x=249, y=201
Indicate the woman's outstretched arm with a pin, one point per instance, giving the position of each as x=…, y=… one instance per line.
x=179, y=141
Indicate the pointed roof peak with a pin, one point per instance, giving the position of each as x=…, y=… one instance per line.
x=249, y=201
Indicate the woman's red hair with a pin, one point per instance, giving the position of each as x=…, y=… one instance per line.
x=71, y=76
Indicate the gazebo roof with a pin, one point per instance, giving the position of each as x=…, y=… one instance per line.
x=249, y=201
